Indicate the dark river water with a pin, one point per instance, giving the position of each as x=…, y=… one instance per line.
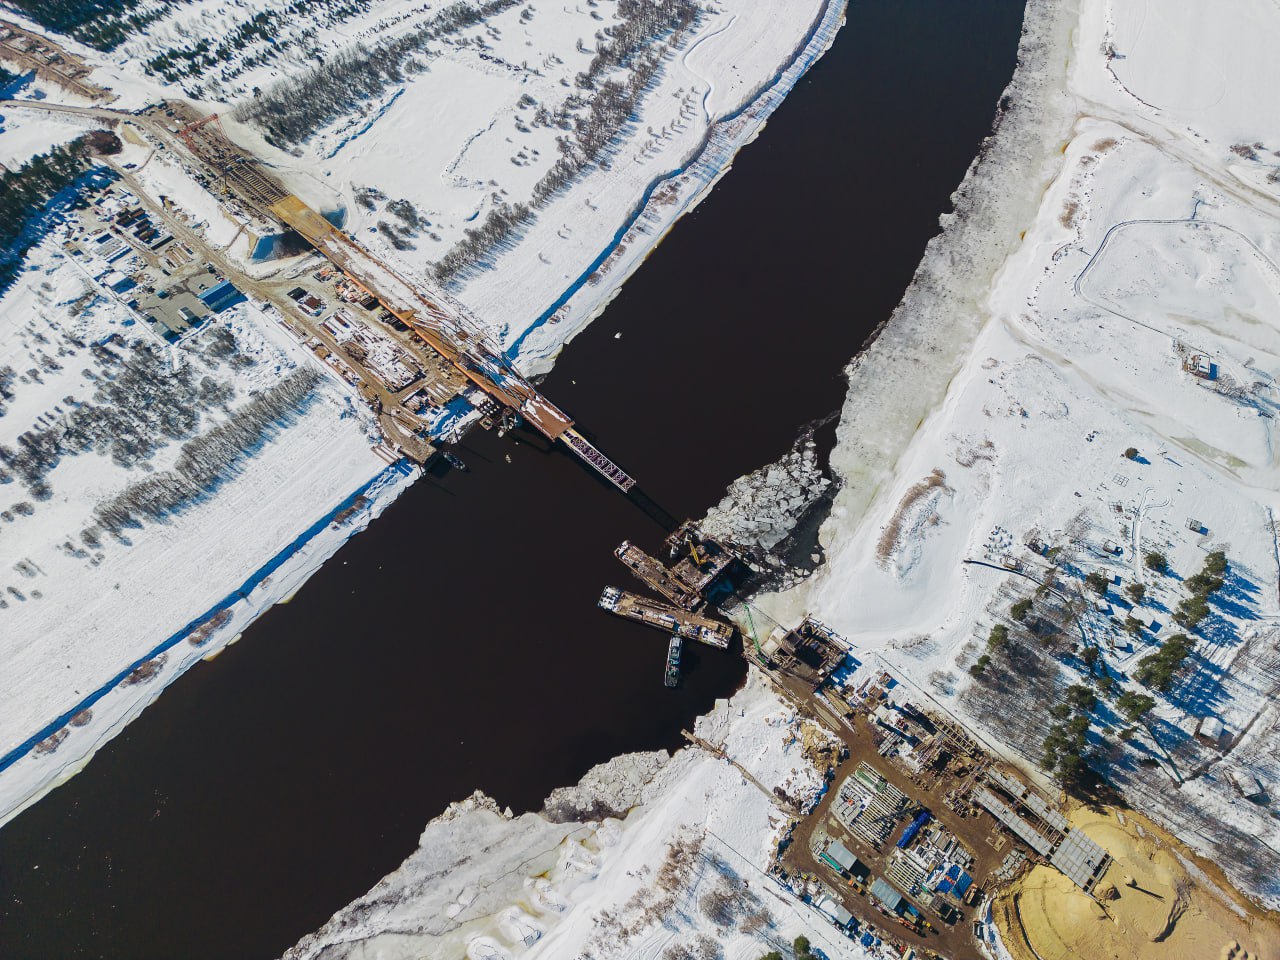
x=456, y=644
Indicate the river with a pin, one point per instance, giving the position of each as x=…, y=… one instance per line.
x=455, y=644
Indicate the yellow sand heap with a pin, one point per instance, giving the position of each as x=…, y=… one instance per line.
x=1149, y=906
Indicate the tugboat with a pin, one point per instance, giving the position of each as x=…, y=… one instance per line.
x=674, y=648
x=455, y=461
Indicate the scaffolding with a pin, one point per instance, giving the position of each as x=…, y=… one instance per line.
x=1046, y=831
x=654, y=574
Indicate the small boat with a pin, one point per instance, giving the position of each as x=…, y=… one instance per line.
x=455, y=461
x=674, y=648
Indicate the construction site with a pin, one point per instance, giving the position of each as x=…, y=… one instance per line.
x=32, y=52
x=920, y=827
x=702, y=570
x=1156, y=903
x=922, y=830
x=438, y=321
x=455, y=374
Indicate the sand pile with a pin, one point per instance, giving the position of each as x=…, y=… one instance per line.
x=1154, y=903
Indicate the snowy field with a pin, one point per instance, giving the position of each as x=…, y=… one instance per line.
x=474, y=117
x=478, y=119
x=478, y=129
x=1131, y=307
x=98, y=611
x=648, y=857
x=26, y=133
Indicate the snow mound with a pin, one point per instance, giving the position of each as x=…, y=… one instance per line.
x=608, y=790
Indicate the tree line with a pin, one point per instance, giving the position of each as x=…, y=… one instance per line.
x=103, y=24
x=208, y=460
x=611, y=106
x=24, y=192
x=294, y=109
x=139, y=405
x=195, y=61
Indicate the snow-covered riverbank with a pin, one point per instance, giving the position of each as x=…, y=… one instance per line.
x=671, y=193
x=714, y=90
x=95, y=624
x=180, y=590
x=1082, y=376
x=902, y=378
x=649, y=856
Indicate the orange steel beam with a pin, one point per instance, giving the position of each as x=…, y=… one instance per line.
x=186, y=132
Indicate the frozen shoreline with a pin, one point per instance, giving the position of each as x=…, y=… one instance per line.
x=632, y=861
x=589, y=295
x=902, y=378
x=27, y=776
x=29, y=770
x=1013, y=417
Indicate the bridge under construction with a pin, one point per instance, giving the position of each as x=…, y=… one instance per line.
x=444, y=325
x=435, y=317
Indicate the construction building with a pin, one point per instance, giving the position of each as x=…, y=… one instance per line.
x=891, y=898
x=812, y=651
x=1201, y=366
x=1028, y=816
x=840, y=859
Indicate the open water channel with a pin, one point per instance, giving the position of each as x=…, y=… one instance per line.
x=456, y=644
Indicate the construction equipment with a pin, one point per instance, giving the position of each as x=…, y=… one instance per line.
x=239, y=174
x=662, y=616
x=187, y=133
x=751, y=622
x=707, y=558
x=447, y=328
x=655, y=575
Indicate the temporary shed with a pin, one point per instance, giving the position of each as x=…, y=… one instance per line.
x=1211, y=729
x=841, y=854
x=835, y=911
x=1248, y=785
x=221, y=296
x=887, y=894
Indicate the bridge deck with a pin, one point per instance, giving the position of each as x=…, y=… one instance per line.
x=443, y=328
x=598, y=461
